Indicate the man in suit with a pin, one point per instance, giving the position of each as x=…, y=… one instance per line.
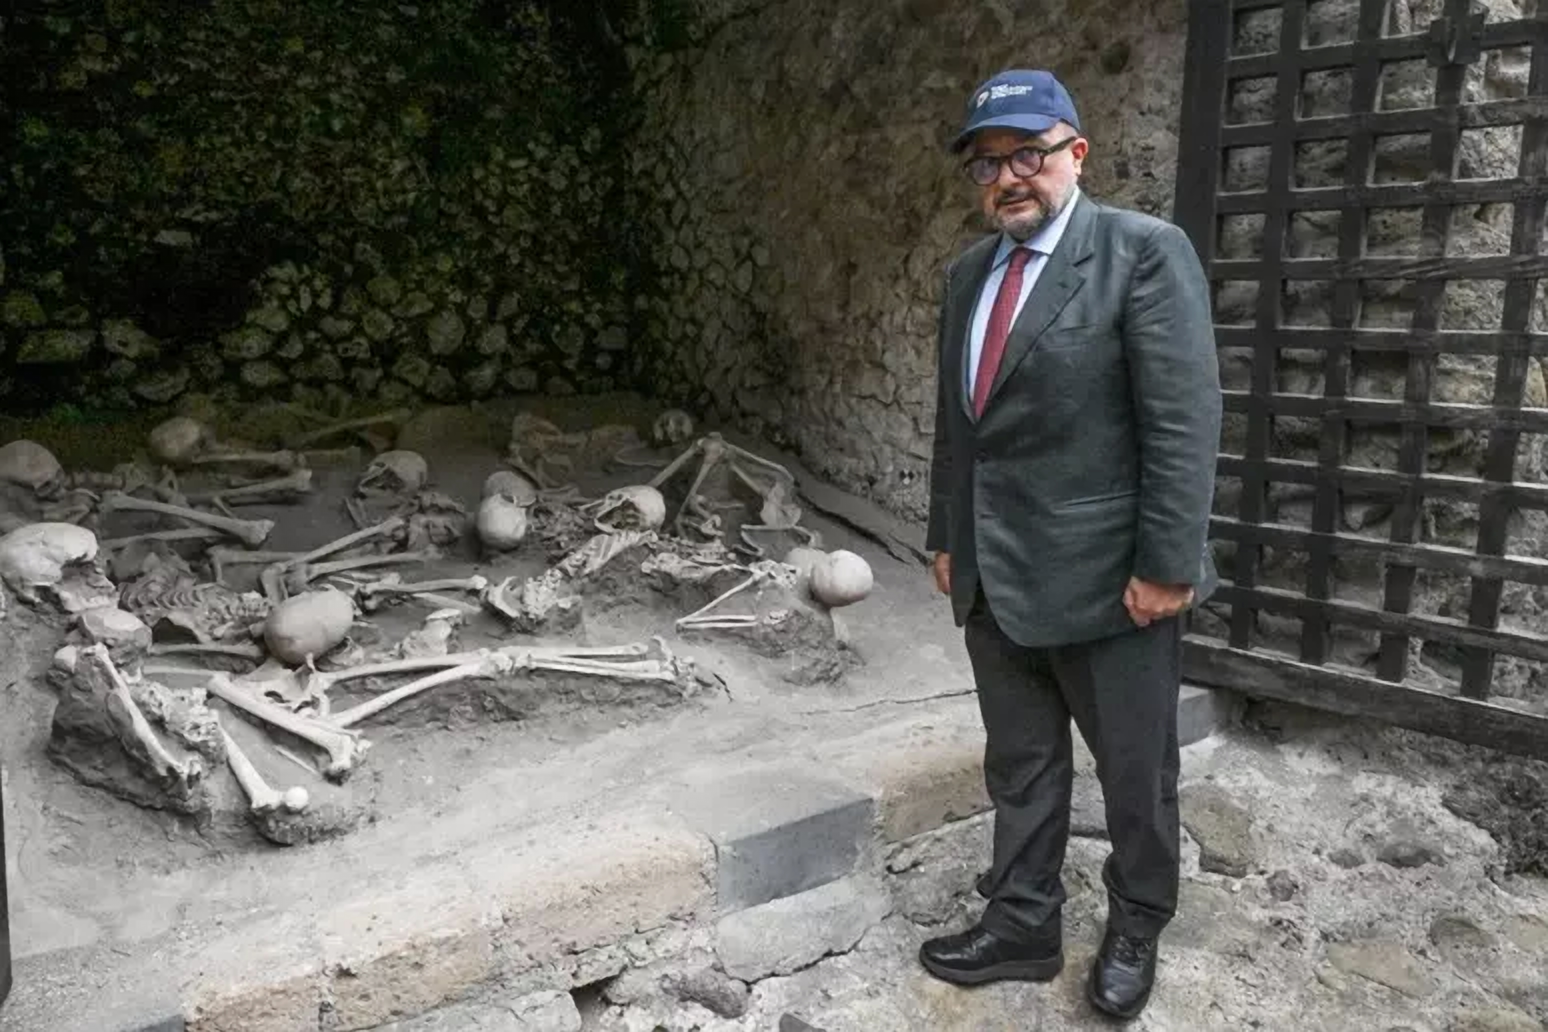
x=1077, y=425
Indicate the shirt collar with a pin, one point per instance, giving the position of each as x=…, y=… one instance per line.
x=1044, y=240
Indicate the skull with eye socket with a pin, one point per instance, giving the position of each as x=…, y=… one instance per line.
x=394, y=473
x=636, y=507
x=30, y=465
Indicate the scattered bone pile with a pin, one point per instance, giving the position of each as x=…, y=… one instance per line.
x=273, y=633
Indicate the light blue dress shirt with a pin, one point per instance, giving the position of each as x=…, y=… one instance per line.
x=1042, y=244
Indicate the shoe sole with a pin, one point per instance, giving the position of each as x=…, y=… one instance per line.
x=1018, y=971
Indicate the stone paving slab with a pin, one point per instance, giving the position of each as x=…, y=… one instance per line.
x=396, y=951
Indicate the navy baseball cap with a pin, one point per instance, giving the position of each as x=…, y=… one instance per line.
x=1033, y=101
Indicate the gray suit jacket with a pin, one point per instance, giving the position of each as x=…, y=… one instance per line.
x=1095, y=457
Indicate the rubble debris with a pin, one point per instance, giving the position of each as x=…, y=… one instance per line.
x=101, y=735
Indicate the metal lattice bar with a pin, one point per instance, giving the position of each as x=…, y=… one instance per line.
x=1328, y=502
x=1450, y=342
x=1385, y=195
x=1509, y=379
x=1281, y=173
x=1413, y=121
x=1352, y=614
x=1385, y=482
x=1462, y=562
x=1448, y=415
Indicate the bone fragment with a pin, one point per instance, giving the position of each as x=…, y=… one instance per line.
x=260, y=797
x=344, y=748
x=221, y=557
x=312, y=437
x=298, y=482
x=250, y=532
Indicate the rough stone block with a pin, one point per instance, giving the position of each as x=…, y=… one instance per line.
x=779, y=831
x=788, y=934
x=1202, y=711
x=590, y=885
x=550, y=1011
x=406, y=950
x=922, y=773
x=266, y=978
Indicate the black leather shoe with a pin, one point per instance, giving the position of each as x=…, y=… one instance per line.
x=1123, y=974
x=977, y=956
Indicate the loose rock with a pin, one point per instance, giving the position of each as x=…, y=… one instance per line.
x=1222, y=829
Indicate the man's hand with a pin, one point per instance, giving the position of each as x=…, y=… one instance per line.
x=1147, y=602
x=941, y=567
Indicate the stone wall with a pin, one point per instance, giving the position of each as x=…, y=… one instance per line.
x=805, y=204
x=335, y=203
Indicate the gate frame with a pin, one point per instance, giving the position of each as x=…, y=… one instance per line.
x=1451, y=44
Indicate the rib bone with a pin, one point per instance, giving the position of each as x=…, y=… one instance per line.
x=344, y=748
x=250, y=532
x=260, y=796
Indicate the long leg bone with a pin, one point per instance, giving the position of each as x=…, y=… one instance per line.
x=250, y=532
x=298, y=576
x=184, y=534
x=344, y=748
x=162, y=761
x=260, y=797
x=474, y=583
x=243, y=651
x=279, y=461
x=284, y=488
x=490, y=664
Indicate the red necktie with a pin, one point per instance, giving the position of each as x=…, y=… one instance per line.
x=1000, y=319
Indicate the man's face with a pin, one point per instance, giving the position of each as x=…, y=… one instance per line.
x=1020, y=206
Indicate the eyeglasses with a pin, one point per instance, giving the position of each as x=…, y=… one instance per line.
x=1025, y=162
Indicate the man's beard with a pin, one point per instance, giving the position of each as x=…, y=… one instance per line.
x=1023, y=227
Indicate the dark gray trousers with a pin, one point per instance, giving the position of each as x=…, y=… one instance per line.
x=1122, y=694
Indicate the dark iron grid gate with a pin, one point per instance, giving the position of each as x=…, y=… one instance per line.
x=1229, y=648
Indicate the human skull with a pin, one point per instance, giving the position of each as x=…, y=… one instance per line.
x=513, y=485
x=636, y=507
x=60, y=559
x=33, y=466
x=674, y=426
x=394, y=472
x=179, y=440
x=502, y=522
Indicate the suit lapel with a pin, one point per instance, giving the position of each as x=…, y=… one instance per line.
x=961, y=301
x=1056, y=284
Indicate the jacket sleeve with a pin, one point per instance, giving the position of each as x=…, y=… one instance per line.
x=937, y=531
x=1174, y=372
